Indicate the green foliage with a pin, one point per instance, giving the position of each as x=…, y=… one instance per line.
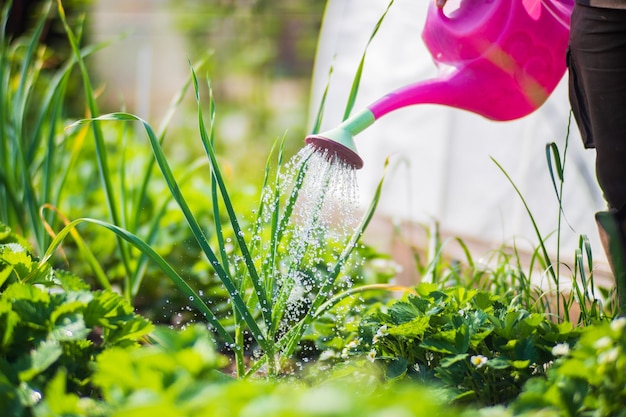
x=246, y=271
x=28, y=118
x=53, y=328
x=507, y=273
x=171, y=377
x=592, y=303
x=588, y=379
x=250, y=273
x=250, y=398
x=168, y=378
x=272, y=40
x=16, y=262
x=173, y=380
x=49, y=175
x=179, y=376
x=470, y=341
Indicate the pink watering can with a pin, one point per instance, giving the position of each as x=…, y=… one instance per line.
x=498, y=58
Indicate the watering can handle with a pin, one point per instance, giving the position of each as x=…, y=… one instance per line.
x=441, y=14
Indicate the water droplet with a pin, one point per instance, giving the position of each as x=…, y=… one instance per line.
x=35, y=396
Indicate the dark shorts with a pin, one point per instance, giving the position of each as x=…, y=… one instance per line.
x=597, y=76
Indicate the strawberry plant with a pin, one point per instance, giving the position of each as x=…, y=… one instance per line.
x=51, y=324
x=473, y=342
x=588, y=379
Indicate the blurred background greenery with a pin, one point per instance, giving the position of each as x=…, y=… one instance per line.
x=260, y=62
x=260, y=59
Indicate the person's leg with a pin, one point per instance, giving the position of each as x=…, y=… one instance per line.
x=597, y=66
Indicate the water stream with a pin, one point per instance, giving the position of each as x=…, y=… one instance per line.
x=323, y=195
x=329, y=197
x=323, y=220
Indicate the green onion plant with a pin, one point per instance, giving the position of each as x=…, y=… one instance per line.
x=249, y=264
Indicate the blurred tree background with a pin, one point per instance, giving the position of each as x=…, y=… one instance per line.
x=24, y=13
x=262, y=55
x=260, y=60
x=276, y=38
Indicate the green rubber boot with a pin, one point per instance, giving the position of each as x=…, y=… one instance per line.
x=612, y=231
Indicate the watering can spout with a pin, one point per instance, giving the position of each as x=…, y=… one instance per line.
x=339, y=142
x=499, y=58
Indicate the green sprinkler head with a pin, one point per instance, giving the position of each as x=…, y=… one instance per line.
x=339, y=141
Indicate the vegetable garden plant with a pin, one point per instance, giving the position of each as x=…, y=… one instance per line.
x=469, y=340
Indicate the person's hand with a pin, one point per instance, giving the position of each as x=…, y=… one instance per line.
x=440, y=3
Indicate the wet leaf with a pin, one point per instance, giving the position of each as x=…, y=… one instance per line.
x=39, y=359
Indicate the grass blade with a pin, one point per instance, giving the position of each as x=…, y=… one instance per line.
x=544, y=251
x=135, y=241
x=553, y=150
x=357, y=77
x=268, y=265
x=80, y=244
x=239, y=234
x=154, y=227
x=320, y=110
x=101, y=152
x=28, y=75
x=143, y=190
x=197, y=231
x=7, y=195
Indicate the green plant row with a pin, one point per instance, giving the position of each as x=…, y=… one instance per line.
x=66, y=350
x=473, y=342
